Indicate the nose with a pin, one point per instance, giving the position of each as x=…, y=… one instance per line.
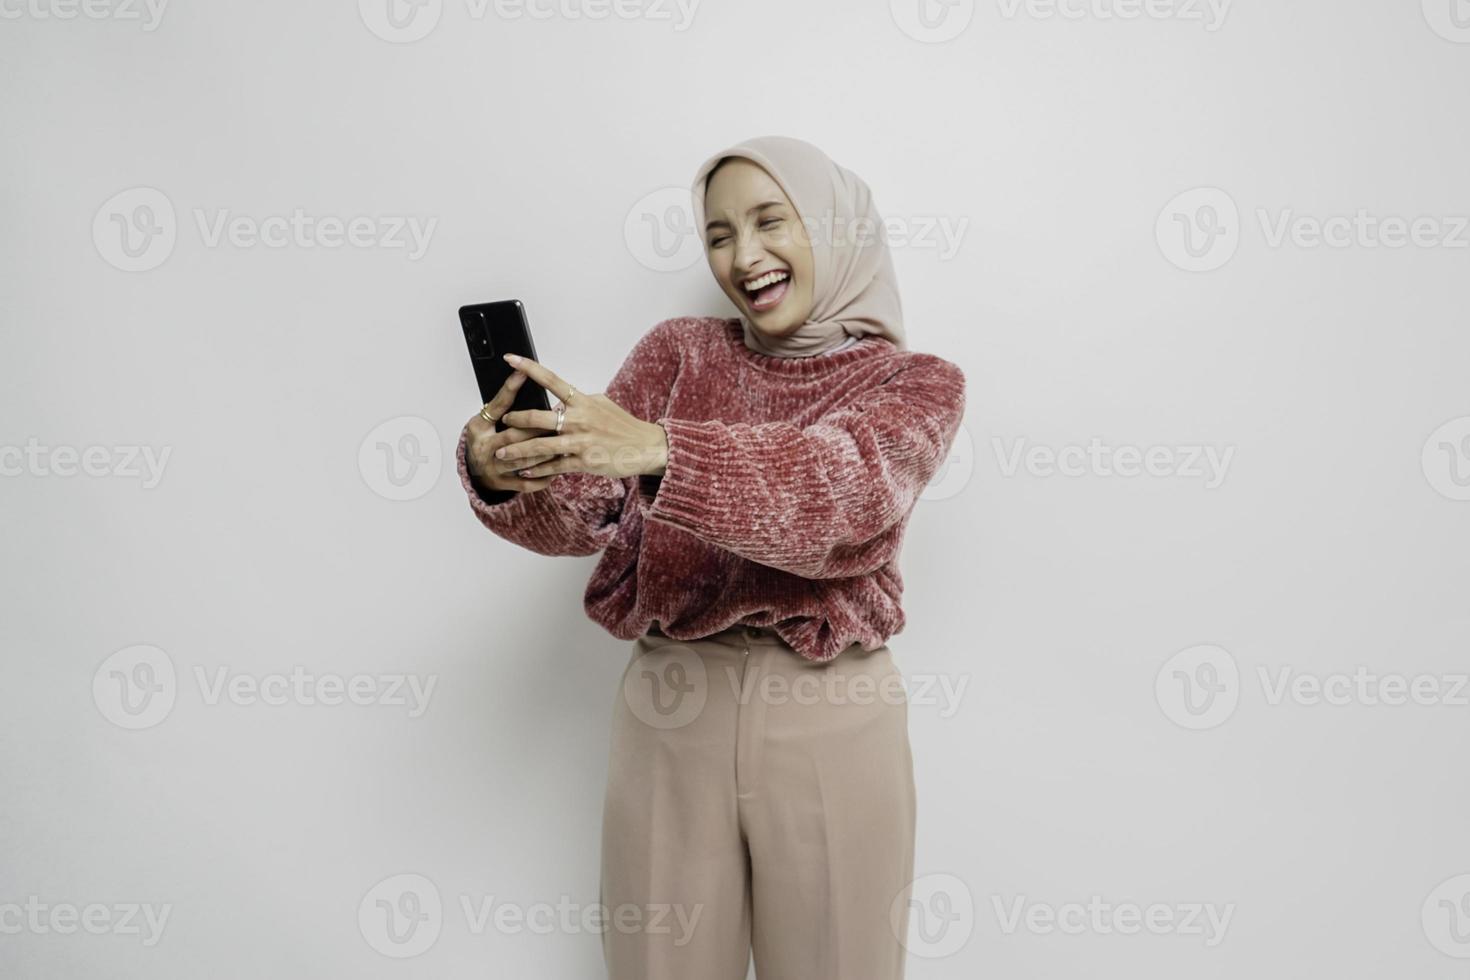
x=748, y=253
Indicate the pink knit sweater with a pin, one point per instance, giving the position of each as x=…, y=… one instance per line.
x=783, y=503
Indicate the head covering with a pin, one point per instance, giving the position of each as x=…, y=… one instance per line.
x=856, y=291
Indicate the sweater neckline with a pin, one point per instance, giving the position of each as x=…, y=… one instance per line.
x=867, y=345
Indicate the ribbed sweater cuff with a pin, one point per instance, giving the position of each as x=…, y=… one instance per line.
x=539, y=515
x=692, y=477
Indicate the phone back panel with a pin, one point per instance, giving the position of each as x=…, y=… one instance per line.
x=492, y=330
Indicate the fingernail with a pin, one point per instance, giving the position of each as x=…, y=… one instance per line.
x=500, y=454
x=513, y=358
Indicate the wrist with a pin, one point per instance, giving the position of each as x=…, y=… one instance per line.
x=659, y=451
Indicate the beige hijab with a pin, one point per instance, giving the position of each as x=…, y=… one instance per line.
x=856, y=291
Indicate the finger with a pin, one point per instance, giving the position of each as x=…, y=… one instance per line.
x=541, y=446
x=541, y=374
x=524, y=485
x=506, y=396
x=496, y=407
x=507, y=437
x=520, y=466
x=505, y=471
x=483, y=440
x=479, y=429
x=531, y=418
x=557, y=464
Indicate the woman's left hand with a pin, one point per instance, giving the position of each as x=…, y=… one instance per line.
x=598, y=435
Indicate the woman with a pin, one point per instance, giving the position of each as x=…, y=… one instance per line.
x=748, y=482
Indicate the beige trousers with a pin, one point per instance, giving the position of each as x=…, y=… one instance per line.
x=757, y=801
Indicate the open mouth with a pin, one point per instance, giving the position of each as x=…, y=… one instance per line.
x=767, y=291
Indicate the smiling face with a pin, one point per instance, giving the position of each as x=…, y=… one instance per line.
x=753, y=237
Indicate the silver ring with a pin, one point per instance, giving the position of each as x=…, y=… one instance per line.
x=561, y=417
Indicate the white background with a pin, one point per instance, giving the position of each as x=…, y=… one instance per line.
x=1334, y=541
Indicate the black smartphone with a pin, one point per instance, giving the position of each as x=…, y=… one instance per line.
x=493, y=330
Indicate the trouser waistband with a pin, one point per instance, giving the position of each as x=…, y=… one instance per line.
x=736, y=632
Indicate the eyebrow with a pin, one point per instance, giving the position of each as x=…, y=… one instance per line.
x=759, y=207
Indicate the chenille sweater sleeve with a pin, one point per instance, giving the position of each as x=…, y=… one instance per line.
x=824, y=501
x=578, y=513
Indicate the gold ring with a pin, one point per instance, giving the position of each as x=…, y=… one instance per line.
x=570, y=392
x=486, y=415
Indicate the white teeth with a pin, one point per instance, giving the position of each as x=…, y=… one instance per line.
x=766, y=280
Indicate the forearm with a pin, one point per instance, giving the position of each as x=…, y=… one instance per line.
x=827, y=500
x=775, y=495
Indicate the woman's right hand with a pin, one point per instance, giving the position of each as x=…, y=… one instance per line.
x=482, y=440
